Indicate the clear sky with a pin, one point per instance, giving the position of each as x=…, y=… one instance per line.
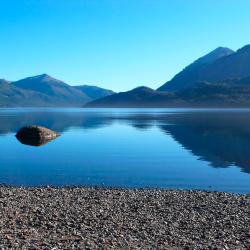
x=117, y=44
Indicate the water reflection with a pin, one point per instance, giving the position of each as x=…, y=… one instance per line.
x=220, y=138
x=34, y=141
x=57, y=121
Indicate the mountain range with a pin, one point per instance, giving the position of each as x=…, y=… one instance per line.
x=230, y=93
x=46, y=91
x=220, y=78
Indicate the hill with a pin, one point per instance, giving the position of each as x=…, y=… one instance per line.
x=138, y=97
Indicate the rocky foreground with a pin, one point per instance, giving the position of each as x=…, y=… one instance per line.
x=99, y=218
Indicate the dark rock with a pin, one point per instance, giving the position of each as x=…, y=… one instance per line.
x=35, y=135
x=34, y=131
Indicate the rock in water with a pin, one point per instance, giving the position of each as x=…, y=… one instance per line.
x=36, y=132
x=35, y=135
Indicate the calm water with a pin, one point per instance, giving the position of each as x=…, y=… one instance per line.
x=167, y=148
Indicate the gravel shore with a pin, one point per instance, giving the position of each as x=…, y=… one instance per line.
x=102, y=218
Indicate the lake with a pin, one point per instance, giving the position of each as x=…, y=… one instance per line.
x=164, y=148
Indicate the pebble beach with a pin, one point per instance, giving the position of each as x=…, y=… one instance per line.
x=110, y=218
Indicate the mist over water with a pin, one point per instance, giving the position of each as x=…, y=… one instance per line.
x=165, y=148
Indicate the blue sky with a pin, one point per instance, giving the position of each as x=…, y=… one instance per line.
x=117, y=44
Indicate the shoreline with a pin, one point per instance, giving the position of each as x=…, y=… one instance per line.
x=122, y=218
x=106, y=187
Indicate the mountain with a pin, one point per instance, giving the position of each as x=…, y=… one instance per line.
x=196, y=71
x=94, y=92
x=229, y=93
x=235, y=65
x=46, y=91
x=220, y=78
x=58, y=92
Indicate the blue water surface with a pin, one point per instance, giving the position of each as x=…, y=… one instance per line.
x=165, y=148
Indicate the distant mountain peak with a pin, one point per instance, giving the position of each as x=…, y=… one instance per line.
x=44, y=77
x=193, y=72
x=214, y=55
x=224, y=49
x=244, y=49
